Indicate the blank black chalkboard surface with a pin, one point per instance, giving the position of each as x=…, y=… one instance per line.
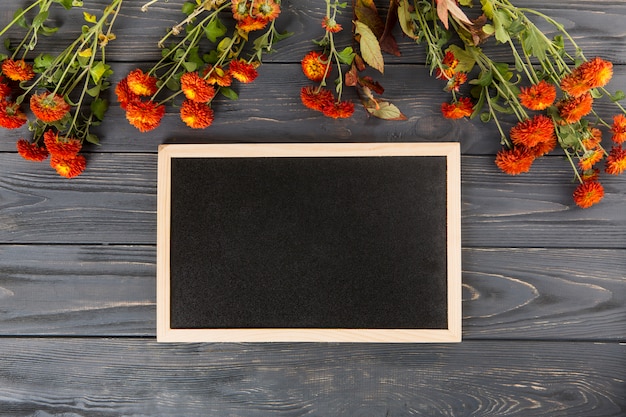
x=326, y=242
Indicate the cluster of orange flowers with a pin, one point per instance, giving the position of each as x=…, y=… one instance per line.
x=47, y=107
x=137, y=93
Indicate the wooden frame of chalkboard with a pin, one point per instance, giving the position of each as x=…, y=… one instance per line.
x=309, y=242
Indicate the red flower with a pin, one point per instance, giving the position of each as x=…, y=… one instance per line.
x=330, y=25
x=144, y=115
x=17, y=70
x=457, y=80
x=124, y=95
x=196, y=115
x=340, y=110
x=616, y=161
x=590, y=158
x=217, y=76
x=11, y=116
x=619, y=129
x=588, y=193
x=531, y=132
x=596, y=72
x=30, y=151
x=515, y=161
x=240, y=9
x=315, y=66
x=573, y=109
x=457, y=110
x=449, y=65
x=267, y=9
x=539, y=96
x=196, y=88
x=5, y=89
x=68, y=167
x=49, y=107
x=249, y=24
x=243, y=71
x=141, y=84
x=62, y=148
x=575, y=85
x=316, y=99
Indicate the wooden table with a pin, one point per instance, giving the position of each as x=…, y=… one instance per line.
x=544, y=282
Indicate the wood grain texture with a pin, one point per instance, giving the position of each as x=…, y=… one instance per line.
x=103, y=377
x=526, y=294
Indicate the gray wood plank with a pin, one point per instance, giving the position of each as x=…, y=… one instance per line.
x=70, y=290
x=114, y=201
x=103, y=377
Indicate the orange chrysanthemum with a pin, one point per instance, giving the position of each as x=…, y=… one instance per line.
x=196, y=115
x=590, y=174
x=145, y=115
x=316, y=99
x=596, y=72
x=17, y=70
x=539, y=96
x=267, y=9
x=590, y=158
x=315, y=66
x=544, y=147
x=243, y=71
x=196, y=88
x=331, y=25
x=449, y=65
x=616, y=161
x=49, y=107
x=63, y=148
x=240, y=9
x=11, y=115
x=531, y=132
x=31, y=151
x=5, y=89
x=250, y=23
x=68, y=167
x=217, y=76
x=588, y=193
x=457, y=80
x=124, y=95
x=457, y=110
x=140, y=83
x=575, y=85
x=619, y=129
x=340, y=110
x=515, y=161
x=575, y=108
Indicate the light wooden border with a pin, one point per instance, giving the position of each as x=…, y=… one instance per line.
x=449, y=149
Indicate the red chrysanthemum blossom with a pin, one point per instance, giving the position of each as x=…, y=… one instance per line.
x=588, y=193
x=616, y=161
x=267, y=9
x=31, y=151
x=515, y=161
x=196, y=115
x=315, y=66
x=449, y=65
x=141, y=84
x=316, y=98
x=590, y=158
x=145, y=115
x=17, y=70
x=240, y=9
x=5, y=89
x=459, y=109
x=196, y=88
x=49, y=107
x=68, y=167
x=573, y=109
x=574, y=84
x=243, y=71
x=339, y=110
x=250, y=24
x=11, y=115
x=539, y=96
x=596, y=72
x=457, y=80
x=331, y=25
x=591, y=139
x=590, y=174
x=619, y=129
x=124, y=95
x=218, y=76
x=531, y=132
x=61, y=147
x=544, y=147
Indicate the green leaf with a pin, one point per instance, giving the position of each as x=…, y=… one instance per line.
x=386, y=111
x=618, y=95
x=99, y=107
x=595, y=93
x=190, y=66
x=229, y=92
x=67, y=4
x=47, y=31
x=173, y=84
x=214, y=30
x=89, y=17
x=42, y=61
x=94, y=91
x=91, y=138
x=19, y=18
x=40, y=18
x=188, y=8
x=99, y=70
x=466, y=59
x=370, y=49
x=346, y=55
x=501, y=22
x=534, y=43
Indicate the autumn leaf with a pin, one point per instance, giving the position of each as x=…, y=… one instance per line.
x=385, y=110
x=370, y=49
x=366, y=12
x=446, y=7
x=404, y=17
x=387, y=41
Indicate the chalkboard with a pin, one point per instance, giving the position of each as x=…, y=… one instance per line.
x=320, y=242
